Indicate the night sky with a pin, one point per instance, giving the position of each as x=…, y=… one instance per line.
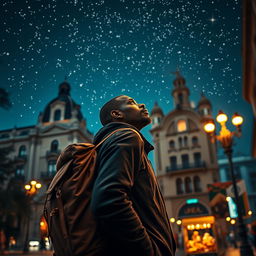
x=108, y=48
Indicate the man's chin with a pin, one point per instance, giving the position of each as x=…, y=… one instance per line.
x=147, y=120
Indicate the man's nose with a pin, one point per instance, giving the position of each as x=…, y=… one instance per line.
x=142, y=105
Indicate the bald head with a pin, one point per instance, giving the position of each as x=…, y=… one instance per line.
x=105, y=111
x=125, y=109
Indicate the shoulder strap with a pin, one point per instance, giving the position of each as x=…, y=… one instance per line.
x=121, y=129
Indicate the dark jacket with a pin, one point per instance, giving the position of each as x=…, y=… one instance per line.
x=126, y=198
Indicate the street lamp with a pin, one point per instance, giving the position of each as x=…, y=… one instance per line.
x=226, y=139
x=31, y=189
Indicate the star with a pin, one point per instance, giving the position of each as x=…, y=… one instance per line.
x=212, y=19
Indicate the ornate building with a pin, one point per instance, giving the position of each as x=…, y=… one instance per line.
x=36, y=148
x=249, y=60
x=186, y=161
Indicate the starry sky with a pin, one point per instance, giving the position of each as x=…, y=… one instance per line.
x=107, y=48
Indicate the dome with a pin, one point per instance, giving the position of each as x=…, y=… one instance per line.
x=204, y=101
x=157, y=110
x=70, y=105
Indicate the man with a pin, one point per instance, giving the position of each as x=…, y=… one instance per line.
x=126, y=198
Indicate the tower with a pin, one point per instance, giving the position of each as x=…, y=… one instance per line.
x=180, y=92
x=186, y=161
x=156, y=115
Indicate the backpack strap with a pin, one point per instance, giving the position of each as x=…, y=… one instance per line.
x=121, y=129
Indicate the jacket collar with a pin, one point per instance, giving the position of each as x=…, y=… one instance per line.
x=105, y=130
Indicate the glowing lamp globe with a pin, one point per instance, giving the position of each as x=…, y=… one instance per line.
x=209, y=127
x=221, y=117
x=27, y=187
x=38, y=185
x=237, y=120
x=33, y=182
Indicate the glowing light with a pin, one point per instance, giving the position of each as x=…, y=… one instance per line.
x=237, y=119
x=33, y=182
x=222, y=117
x=228, y=198
x=209, y=127
x=172, y=220
x=178, y=222
x=249, y=212
x=228, y=219
x=233, y=221
x=38, y=185
x=42, y=223
x=27, y=187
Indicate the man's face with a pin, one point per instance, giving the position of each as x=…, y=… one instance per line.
x=131, y=112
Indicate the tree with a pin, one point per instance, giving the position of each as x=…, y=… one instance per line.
x=5, y=102
x=14, y=204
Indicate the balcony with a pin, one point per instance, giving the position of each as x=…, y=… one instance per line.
x=53, y=154
x=20, y=159
x=186, y=166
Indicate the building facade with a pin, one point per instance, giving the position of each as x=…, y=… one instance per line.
x=245, y=169
x=186, y=162
x=36, y=148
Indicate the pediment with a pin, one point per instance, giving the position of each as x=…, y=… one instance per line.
x=54, y=129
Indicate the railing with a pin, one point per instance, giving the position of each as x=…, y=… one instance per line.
x=186, y=166
x=50, y=153
x=22, y=158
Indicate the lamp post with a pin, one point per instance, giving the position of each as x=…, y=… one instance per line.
x=226, y=139
x=31, y=190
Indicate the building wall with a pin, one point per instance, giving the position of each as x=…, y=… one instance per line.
x=244, y=168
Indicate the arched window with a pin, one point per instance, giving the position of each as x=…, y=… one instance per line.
x=205, y=111
x=195, y=141
x=173, y=162
x=197, y=159
x=179, y=186
x=51, y=167
x=181, y=126
x=180, y=97
x=57, y=114
x=188, y=185
x=197, y=184
x=22, y=150
x=172, y=144
x=19, y=171
x=180, y=142
x=54, y=146
x=185, y=141
x=185, y=161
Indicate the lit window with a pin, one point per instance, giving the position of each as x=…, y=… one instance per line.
x=51, y=167
x=19, y=171
x=181, y=126
x=22, y=151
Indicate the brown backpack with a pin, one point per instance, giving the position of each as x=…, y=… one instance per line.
x=72, y=227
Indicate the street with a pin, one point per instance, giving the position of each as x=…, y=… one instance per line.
x=230, y=252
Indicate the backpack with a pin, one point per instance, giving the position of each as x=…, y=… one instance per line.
x=72, y=228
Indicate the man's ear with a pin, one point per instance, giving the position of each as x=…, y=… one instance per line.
x=116, y=114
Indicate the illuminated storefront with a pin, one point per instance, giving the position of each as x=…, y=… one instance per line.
x=198, y=229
